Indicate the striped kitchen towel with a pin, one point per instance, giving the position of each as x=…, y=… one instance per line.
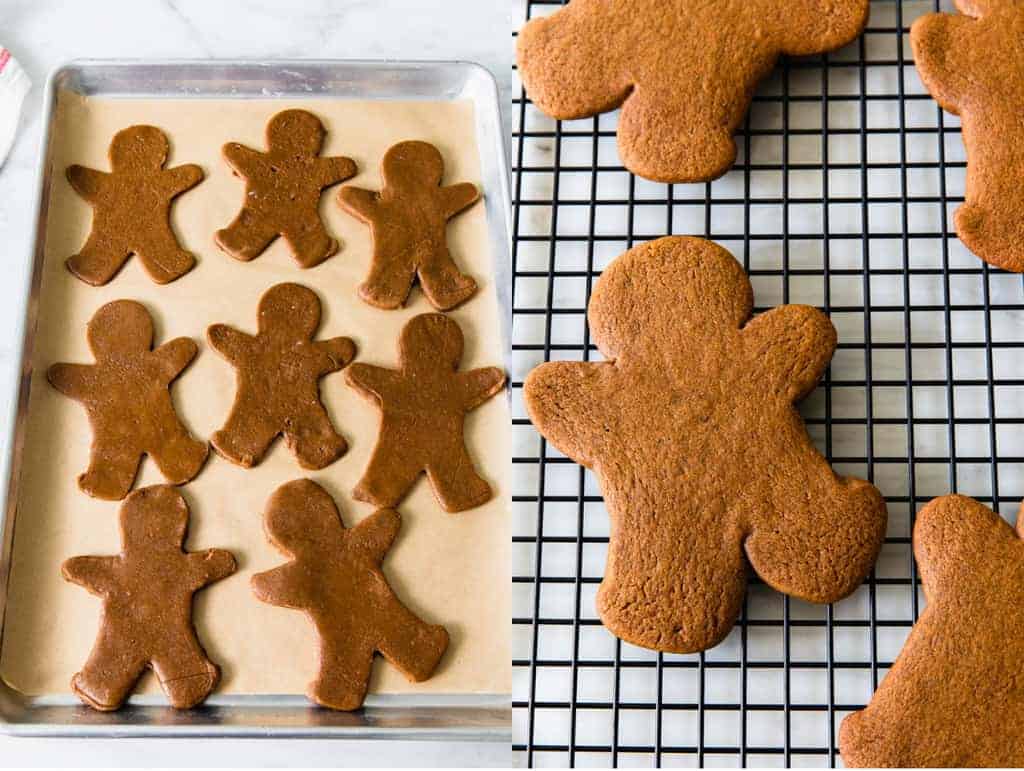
x=14, y=84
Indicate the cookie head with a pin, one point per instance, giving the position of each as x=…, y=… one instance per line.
x=431, y=340
x=301, y=518
x=413, y=164
x=569, y=71
x=118, y=328
x=297, y=131
x=290, y=307
x=154, y=519
x=699, y=280
x=138, y=147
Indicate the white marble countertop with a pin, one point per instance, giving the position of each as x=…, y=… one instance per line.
x=45, y=33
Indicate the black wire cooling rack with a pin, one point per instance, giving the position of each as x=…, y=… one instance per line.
x=842, y=197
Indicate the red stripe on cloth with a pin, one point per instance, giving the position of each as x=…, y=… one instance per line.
x=5, y=56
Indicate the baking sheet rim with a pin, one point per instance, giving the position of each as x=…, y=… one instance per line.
x=127, y=722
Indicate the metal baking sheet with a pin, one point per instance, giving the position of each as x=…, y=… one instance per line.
x=463, y=717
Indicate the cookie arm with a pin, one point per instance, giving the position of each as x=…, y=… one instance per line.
x=978, y=8
x=790, y=347
x=371, y=381
x=942, y=52
x=175, y=356
x=97, y=574
x=182, y=178
x=86, y=182
x=358, y=202
x=455, y=198
x=74, y=380
x=229, y=342
x=479, y=385
x=335, y=170
x=211, y=565
x=284, y=586
x=377, y=532
x=336, y=352
x=572, y=405
x=243, y=160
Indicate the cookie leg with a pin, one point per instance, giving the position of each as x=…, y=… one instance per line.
x=443, y=283
x=186, y=674
x=110, y=672
x=388, y=477
x=180, y=459
x=388, y=284
x=991, y=234
x=313, y=440
x=164, y=259
x=311, y=245
x=692, y=151
x=344, y=674
x=817, y=535
x=98, y=261
x=408, y=642
x=674, y=580
x=111, y=472
x=246, y=237
x=456, y=483
x=245, y=437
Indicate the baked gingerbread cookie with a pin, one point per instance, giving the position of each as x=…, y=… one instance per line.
x=131, y=207
x=953, y=694
x=973, y=65
x=278, y=373
x=683, y=71
x=335, y=577
x=423, y=407
x=409, y=220
x=704, y=462
x=147, y=591
x=282, y=191
x=126, y=395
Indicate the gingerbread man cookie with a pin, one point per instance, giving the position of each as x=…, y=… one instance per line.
x=147, y=605
x=409, y=219
x=952, y=697
x=690, y=427
x=423, y=407
x=335, y=577
x=973, y=65
x=278, y=374
x=282, y=191
x=683, y=71
x=126, y=395
x=132, y=209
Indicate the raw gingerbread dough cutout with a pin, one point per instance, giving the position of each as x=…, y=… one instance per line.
x=973, y=65
x=282, y=191
x=409, y=219
x=335, y=577
x=683, y=71
x=423, y=407
x=278, y=373
x=131, y=207
x=702, y=458
x=126, y=395
x=953, y=695
x=147, y=591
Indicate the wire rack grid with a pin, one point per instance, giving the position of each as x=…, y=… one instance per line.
x=842, y=197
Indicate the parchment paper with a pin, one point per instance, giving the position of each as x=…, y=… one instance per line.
x=450, y=569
